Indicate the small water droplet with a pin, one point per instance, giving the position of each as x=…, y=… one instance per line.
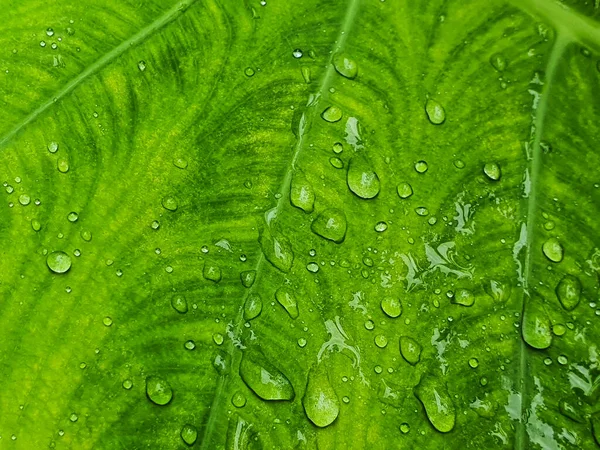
x=286, y=298
x=473, y=363
x=463, y=297
x=252, y=306
x=435, y=112
x=305, y=70
x=404, y=190
x=53, y=147
x=248, y=277
x=179, y=303
x=189, y=345
x=331, y=224
x=312, y=267
x=345, y=66
x=381, y=226
x=86, y=235
x=459, y=164
x=107, y=321
x=58, y=262
x=404, y=428
x=141, y=65
x=410, y=350
x=127, y=384
x=212, y=272
x=62, y=165
x=249, y=72
x=72, y=217
x=381, y=341
x=568, y=291
x=338, y=148
x=553, y=250
x=422, y=211
x=332, y=114
x=391, y=306
x=421, y=166
x=492, y=171
x=180, y=163
x=369, y=325
x=297, y=53
x=24, y=199
x=302, y=342
x=238, y=399
x=73, y=417
x=302, y=194
x=562, y=360
x=36, y=225
x=336, y=162
x=362, y=179
x=218, y=338
x=189, y=434
x=169, y=203
x=158, y=390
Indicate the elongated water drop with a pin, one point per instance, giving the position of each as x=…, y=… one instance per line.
x=286, y=298
x=277, y=249
x=345, y=66
x=435, y=112
x=410, y=350
x=492, y=171
x=320, y=401
x=362, y=179
x=536, y=327
x=332, y=114
x=433, y=394
x=331, y=224
x=302, y=194
x=158, y=390
x=463, y=297
x=553, y=250
x=248, y=277
x=253, y=306
x=189, y=434
x=58, y=262
x=568, y=291
x=265, y=380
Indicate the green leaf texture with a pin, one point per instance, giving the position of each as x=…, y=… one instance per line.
x=299, y=224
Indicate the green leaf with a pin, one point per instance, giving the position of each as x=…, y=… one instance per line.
x=307, y=224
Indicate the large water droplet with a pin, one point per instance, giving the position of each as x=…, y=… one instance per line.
x=58, y=262
x=286, y=298
x=158, y=390
x=320, y=401
x=536, y=328
x=266, y=380
x=212, y=272
x=277, y=249
x=331, y=224
x=253, y=306
x=435, y=112
x=433, y=394
x=248, y=277
x=179, y=303
x=568, y=292
x=302, y=194
x=361, y=178
x=410, y=350
x=553, y=250
x=189, y=434
x=391, y=306
x=332, y=114
x=345, y=66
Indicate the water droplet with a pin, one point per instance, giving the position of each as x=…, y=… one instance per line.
x=404, y=428
x=548, y=361
x=338, y=148
x=492, y=171
x=435, y=112
x=535, y=327
x=189, y=345
x=483, y=381
x=381, y=341
x=53, y=147
x=345, y=66
x=141, y=65
x=422, y=211
x=62, y=165
x=361, y=178
x=559, y=329
x=336, y=162
x=252, y=307
x=302, y=194
x=391, y=306
x=433, y=394
x=305, y=70
x=498, y=62
x=568, y=292
x=312, y=267
x=378, y=369
x=263, y=378
x=218, y=338
x=277, y=249
x=474, y=363
x=169, y=203
x=189, y=434
x=421, y=166
x=58, y=262
x=332, y=114
x=369, y=324
x=36, y=225
x=553, y=250
x=180, y=163
x=320, y=401
x=562, y=360
x=404, y=190
x=249, y=72
x=9, y=189
x=331, y=224
x=459, y=164
x=155, y=225
x=73, y=417
x=179, y=303
x=107, y=321
x=248, y=277
x=410, y=350
x=86, y=235
x=297, y=53
x=286, y=298
x=211, y=272
x=302, y=342
x=549, y=226
x=158, y=390
x=127, y=384
x=49, y=32
x=463, y=297
x=381, y=226
x=238, y=400
x=24, y=199
x=72, y=217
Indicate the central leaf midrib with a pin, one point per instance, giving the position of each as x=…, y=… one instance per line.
x=284, y=191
